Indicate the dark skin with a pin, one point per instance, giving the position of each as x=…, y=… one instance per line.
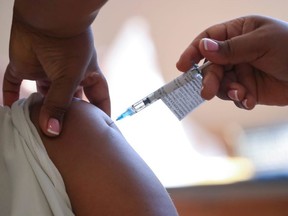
x=250, y=61
x=52, y=43
x=103, y=175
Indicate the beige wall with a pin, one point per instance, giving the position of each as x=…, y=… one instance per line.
x=5, y=24
x=5, y=21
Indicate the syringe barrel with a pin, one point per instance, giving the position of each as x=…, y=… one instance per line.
x=181, y=80
x=138, y=106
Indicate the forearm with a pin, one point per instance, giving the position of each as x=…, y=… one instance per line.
x=59, y=18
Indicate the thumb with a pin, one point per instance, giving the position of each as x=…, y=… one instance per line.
x=55, y=105
x=241, y=49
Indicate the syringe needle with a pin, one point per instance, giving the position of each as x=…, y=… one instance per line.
x=128, y=112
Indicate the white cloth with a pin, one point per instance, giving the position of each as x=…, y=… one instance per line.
x=30, y=184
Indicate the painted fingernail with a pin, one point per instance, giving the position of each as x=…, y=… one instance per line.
x=210, y=45
x=244, y=103
x=53, y=126
x=93, y=76
x=233, y=95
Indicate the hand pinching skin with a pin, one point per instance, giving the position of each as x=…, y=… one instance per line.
x=52, y=43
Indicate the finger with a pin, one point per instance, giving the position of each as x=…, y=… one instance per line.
x=247, y=80
x=96, y=90
x=245, y=48
x=79, y=92
x=11, y=86
x=232, y=42
x=56, y=103
x=189, y=57
x=212, y=77
x=236, y=92
x=241, y=96
x=43, y=86
x=193, y=54
x=249, y=102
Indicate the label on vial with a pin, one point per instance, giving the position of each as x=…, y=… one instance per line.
x=185, y=98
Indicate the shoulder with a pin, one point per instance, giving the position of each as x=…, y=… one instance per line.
x=103, y=175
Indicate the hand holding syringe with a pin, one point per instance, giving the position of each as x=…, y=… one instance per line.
x=193, y=74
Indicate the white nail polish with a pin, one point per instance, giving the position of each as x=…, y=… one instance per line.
x=244, y=103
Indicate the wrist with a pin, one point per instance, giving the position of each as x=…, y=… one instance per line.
x=61, y=18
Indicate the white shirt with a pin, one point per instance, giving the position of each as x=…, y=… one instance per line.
x=30, y=184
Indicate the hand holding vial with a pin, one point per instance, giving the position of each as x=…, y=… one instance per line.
x=249, y=56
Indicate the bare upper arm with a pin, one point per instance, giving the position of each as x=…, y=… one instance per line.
x=103, y=175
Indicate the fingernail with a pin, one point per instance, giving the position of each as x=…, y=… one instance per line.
x=210, y=45
x=93, y=75
x=53, y=126
x=90, y=79
x=233, y=95
x=244, y=103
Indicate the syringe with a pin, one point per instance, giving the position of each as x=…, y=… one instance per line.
x=195, y=71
